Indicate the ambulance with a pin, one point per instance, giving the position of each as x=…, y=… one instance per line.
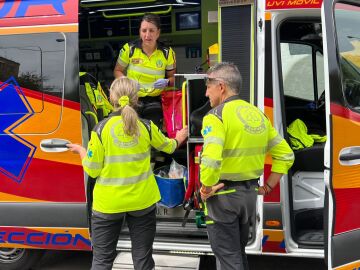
x=300, y=60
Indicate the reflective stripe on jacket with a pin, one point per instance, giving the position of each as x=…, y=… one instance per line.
x=121, y=164
x=146, y=70
x=237, y=137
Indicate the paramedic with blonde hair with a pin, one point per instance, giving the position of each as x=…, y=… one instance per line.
x=118, y=156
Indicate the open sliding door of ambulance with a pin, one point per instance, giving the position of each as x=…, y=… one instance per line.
x=341, y=21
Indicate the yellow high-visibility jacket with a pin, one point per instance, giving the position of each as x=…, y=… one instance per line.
x=237, y=136
x=299, y=137
x=121, y=164
x=146, y=70
x=96, y=94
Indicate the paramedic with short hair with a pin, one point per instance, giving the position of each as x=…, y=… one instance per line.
x=118, y=155
x=148, y=61
x=237, y=136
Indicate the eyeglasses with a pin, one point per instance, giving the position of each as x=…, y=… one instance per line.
x=209, y=80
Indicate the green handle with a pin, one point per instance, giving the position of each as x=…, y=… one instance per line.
x=93, y=115
x=115, y=3
x=134, y=14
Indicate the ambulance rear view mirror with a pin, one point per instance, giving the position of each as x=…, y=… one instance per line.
x=54, y=145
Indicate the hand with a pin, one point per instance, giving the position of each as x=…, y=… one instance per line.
x=270, y=184
x=207, y=192
x=261, y=191
x=76, y=148
x=181, y=135
x=161, y=83
x=264, y=190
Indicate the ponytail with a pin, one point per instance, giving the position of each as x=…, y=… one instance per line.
x=123, y=94
x=130, y=119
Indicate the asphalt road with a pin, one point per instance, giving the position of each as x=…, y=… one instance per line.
x=71, y=260
x=65, y=260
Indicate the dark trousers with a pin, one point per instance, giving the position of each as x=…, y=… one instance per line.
x=228, y=222
x=228, y=242
x=105, y=235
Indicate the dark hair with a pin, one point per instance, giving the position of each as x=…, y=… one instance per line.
x=152, y=18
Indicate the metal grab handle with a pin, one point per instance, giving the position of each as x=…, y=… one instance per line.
x=349, y=156
x=55, y=145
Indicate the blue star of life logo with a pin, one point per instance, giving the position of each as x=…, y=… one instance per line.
x=207, y=130
x=16, y=153
x=90, y=153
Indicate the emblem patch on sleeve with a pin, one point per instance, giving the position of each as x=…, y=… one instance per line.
x=207, y=130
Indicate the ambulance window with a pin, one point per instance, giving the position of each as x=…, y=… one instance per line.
x=297, y=70
x=31, y=65
x=347, y=20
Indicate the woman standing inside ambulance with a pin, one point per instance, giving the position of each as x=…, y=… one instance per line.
x=147, y=61
x=118, y=155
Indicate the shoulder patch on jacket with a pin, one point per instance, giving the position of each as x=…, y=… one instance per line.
x=165, y=50
x=217, y=111
x=132, y=46
x=100, y=126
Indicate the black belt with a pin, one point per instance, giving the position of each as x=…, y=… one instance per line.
x=246, y=183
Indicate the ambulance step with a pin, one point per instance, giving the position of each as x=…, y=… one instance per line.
x=162, y=262
x=175, y=228
x=310, y=238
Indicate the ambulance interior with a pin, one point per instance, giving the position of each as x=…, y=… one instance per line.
x=103, y=30
x=302, y=84
x=106, y=26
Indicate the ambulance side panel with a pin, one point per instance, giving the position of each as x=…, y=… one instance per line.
x=42, y=193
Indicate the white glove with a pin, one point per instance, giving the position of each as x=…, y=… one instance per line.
x=161, y=83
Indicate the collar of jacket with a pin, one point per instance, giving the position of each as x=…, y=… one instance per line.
x=159, y=45
x=234, y=97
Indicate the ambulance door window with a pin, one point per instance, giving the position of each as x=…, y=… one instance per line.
x=32, y=81
x=347, y=20
x=297, y=70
